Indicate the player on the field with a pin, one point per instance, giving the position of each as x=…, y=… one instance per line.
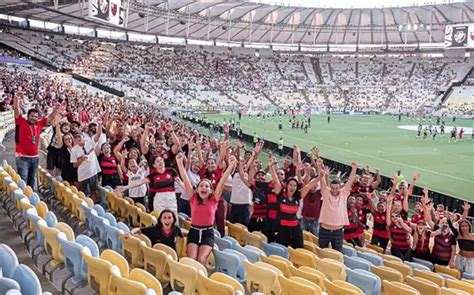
x=453, y=134
x=435, y=132
x=461, y=132
x=425, y=132
x=280, y=126
x=420, y=127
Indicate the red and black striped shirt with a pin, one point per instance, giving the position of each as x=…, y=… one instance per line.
x=399, y=237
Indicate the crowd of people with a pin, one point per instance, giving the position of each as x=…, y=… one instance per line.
x=170, y=167
x=216, y=78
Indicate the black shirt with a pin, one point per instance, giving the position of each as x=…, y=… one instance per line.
x=157, y=235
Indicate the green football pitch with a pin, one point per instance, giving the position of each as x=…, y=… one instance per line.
x=378, y=141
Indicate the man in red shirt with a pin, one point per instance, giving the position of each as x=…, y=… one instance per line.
x=27, y=138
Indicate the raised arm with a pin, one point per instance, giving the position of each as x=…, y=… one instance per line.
x=144, y=139
x=276, y=180
x=223, y=149
x=427, y=206
x=313, y=182
x=188, y=187
x=370, y=197
x=348, y=186
x=412, y=184
x=465, y=211
x=378, y=179
x=199, y=151
x=225, y=176
x=245, y=179
x=388, y=217
x=176, y=144
x=324, y=174
x=16, y=104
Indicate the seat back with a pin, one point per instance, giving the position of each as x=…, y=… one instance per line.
x=415, y=265
x=333, y=288
x=275, y=249
x=113, y=237
x=223, y=278
x=424, y=286
x=206, y=286
x=356, y=263
x=298, y=286
x=131, y=250
x=446, y=270
x=156, y=264
x=182, y=276
x=237, y=231
x=397, y=288
x=227, y=263
x=387, y=273
x=349, y=251
x=253, y=239
x=400, y=266
x=330, y=253
x=333, y=270
x=8, y=261
x=85, y=241
x=73, y=257
x=118, y=260
x=260, y=279
x=99, y=272
x=373, y=258
x=193, y=263
x=430, y=276
x=460, y=285
x=42, y=209
x=368, y=282
x=167, y=249
x=223, y=244
x=310, y=274
x=66, y=229
x=123, y=286
x=51, y=242
x=450, y=291
x=141, y=276
x=302, y=257
x=27, y=279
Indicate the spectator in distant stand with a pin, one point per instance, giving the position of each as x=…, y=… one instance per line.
x=27, y=138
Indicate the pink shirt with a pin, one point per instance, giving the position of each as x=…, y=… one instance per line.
x=203, y=214
x=334, y=209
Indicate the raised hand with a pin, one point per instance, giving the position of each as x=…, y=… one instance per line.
x=232, y=161
x=416, y=176
x=354, y=165
x=179, y=158
x=466, y=206
x=319, y=162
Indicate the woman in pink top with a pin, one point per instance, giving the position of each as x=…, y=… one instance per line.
x=333, y=215
x=203, y=203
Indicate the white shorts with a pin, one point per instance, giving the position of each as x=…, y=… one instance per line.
x=166, y=200
x=464, y=264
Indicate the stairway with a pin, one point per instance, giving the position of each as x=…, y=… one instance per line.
x=317, y=70
x=411, y=71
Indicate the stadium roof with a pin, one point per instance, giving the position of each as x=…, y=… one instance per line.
x=263, y=22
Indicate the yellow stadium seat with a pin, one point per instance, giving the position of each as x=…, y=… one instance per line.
x=298, y=286
x=194, y=263
x=451, y=291
x=253, y=239
x=99, y=272
x=167, y=249
x=42, y=209
x=375, y=248
x=330, y=253
x=110, y=197
x=264, y=238
x=156, y=214
x=67, y=230
x=307, y=236
x=349, y=286
x=302, y=257
x=335, y=289
x=310, y=246
x=310, y=274
x=447, y=270
x=51, y=242
x=74, y=189
x=223, y=278
x=424, y=286
x=141, y=206
x=89, y=202
x=400, y=266
x=77, y=209
x=28, y=191
x=146, y=220
x=121, y=208
x=123, y=286
x=460, y=285
x=182, y=276
x=181, y=243
x=332, y=269
x=261, y=279
x=389, y=257
x=206, y=286
x=468, y=281
x=144, y=239
x=387, y=273
x=141, y=276
x=131, y=250
x=430, y=276
x=129, y=200
x=156, y=264
x=237, y=231
x=187, y=224
x=132, y=212
x=397, y=288
x=283, y=266
x=118, y=260
x=364, y=249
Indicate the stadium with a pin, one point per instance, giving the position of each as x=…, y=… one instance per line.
x=236, y=147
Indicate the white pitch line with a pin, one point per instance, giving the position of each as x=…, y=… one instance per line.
x=370, y=156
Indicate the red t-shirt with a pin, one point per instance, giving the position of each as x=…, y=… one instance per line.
x=212, y=176
x=27, y=137
x=203, y=214
x=312, y=205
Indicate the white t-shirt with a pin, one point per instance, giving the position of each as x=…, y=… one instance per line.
x=241, y=193
x=90, y=139
x=139, y=191
x=193, y=178
x=89, y=167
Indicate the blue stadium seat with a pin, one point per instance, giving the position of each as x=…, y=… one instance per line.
x=98, y=226
x=27, y=279
x=113, y=237
x=467, y=276
x=275, y=249
x=415, y=265
x=222, y=243
x=7, y=284
x=89, y=243
x=88, y=218
x=217, y=233
x=74, y=263
x=252, y=255
x=99, y=209
x=231, y=240
x=368, y=282
x=372, y=258
x=112, y=220
x=34, y=199
x=122, y=226
x=102, y=198
x=8, y=261
x=356, y=263
x=241, y=272
x=349, y=251
x=423, y=262
x=227, y=263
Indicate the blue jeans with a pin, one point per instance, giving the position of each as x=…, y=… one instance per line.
x=311, y=225
x=27, y=168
